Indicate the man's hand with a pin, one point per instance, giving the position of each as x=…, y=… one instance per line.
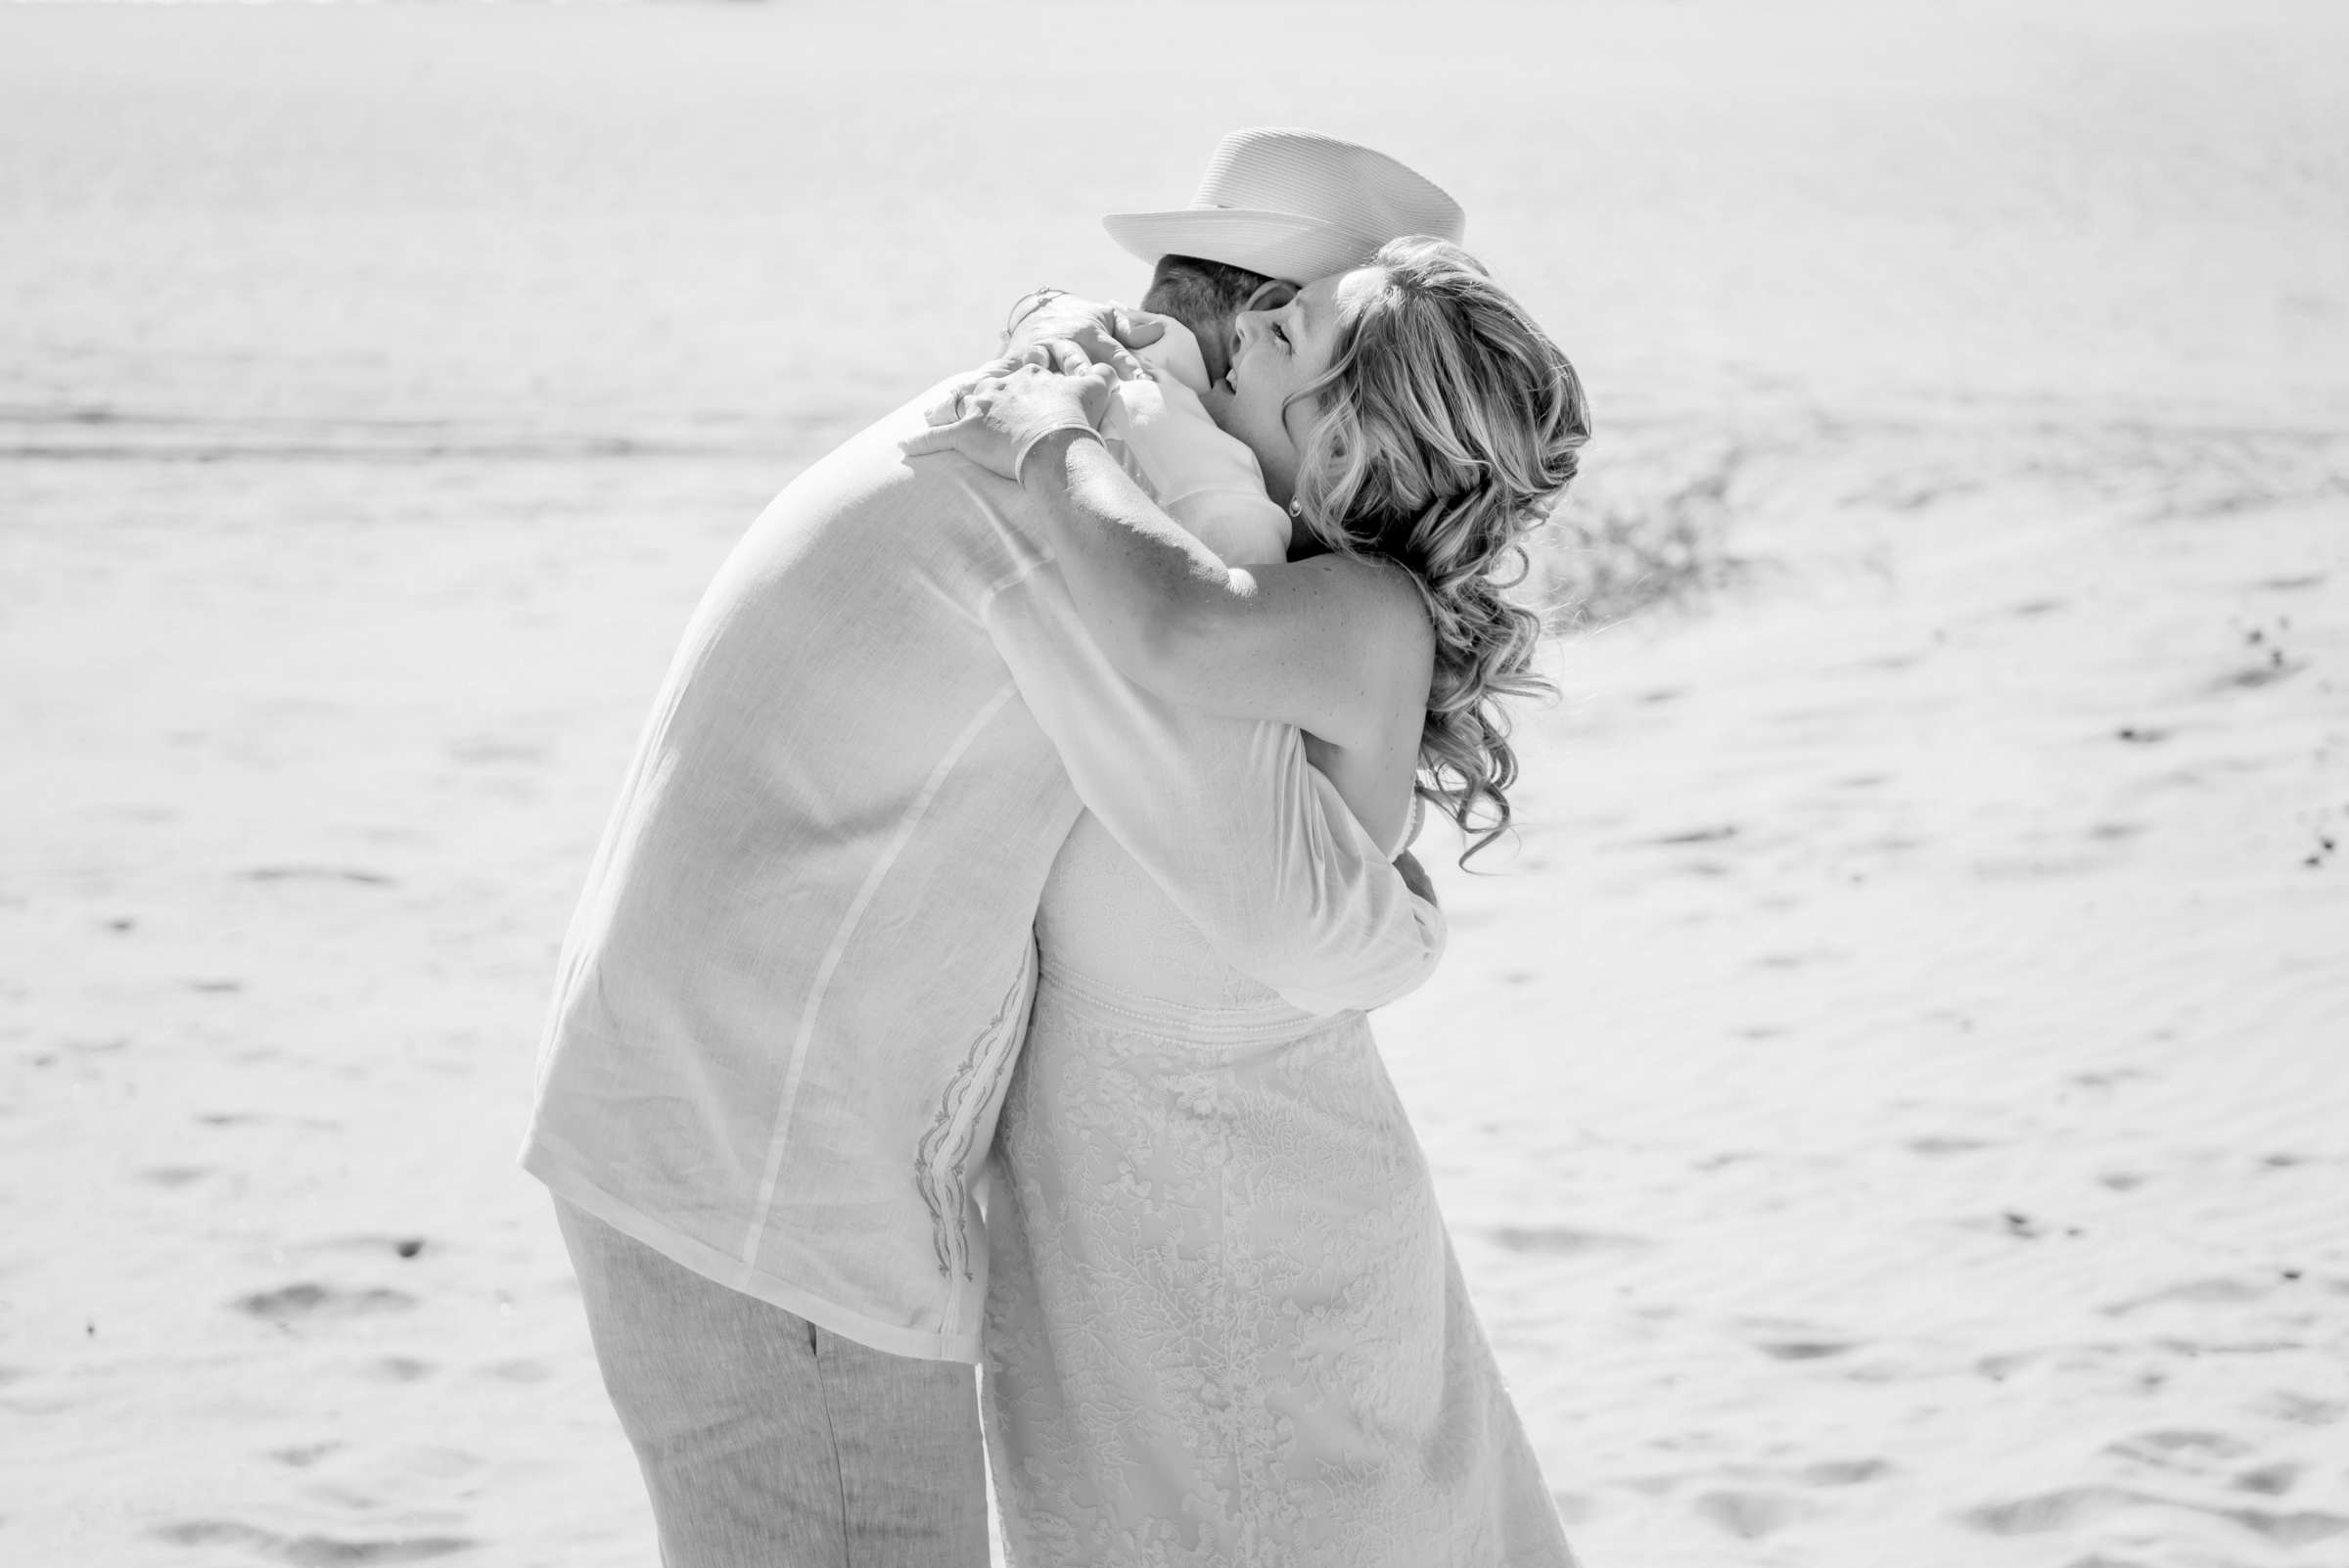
x=1007, y=409
x=1075, y=333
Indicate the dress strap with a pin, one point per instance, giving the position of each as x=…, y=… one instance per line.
x=1410, y=826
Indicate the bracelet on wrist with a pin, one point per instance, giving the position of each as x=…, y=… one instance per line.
x=1026, y=305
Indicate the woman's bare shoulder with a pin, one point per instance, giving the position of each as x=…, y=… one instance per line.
x=1371, y=585
x=1405, y=632
x=1391, y=640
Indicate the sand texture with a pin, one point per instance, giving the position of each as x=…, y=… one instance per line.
x=1893, y=1102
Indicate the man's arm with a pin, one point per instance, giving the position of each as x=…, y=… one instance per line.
x=1333, y=644
x=1245, y=837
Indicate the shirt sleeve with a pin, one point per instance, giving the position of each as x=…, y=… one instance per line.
x=1204, y=480
x=1243, y=834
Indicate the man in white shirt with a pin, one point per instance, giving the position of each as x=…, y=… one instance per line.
x=798, y=977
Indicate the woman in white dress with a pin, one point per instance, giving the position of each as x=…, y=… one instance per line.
x=1225, y=1323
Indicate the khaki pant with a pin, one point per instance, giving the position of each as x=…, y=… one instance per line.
x=767, y=1441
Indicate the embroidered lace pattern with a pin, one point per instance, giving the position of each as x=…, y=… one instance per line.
x=1225, y=1323
x=945, y=1144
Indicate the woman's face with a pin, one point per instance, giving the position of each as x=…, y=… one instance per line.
x=1276, y=354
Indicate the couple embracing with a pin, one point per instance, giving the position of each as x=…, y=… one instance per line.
x=974, y=969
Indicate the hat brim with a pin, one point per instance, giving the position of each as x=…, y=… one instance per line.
x=1278, y=244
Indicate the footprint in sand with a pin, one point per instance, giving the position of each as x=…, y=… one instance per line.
x=311, y=1551
x=2269, y=1480
x=304, y=1456
x=1561, y=1241
x=2302, y=1528
x=2198, y=1292
x=2063, y=1357
x=2031, y=867
x=1843, y=1472
x=357, y=875
x=2049, y=1511
x=1786, y=1339
x=2278, y=666
x=1946, y=1144
x=1700, y=835
x=1797, y=960
x=400, y=1369
x=308, y=1123
x=307, y=1301
x=1748, y=1515
x=2181, y=1447
x=493, y=749
x=2061, y=1510
x=2307, y=1411
x=397, y=1246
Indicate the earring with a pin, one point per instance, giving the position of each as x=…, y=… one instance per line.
x=1296, y=510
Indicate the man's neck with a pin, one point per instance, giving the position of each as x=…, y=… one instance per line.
x=1215, y=341
x=1214, y=334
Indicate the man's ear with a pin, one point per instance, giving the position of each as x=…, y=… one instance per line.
x=1272, y=295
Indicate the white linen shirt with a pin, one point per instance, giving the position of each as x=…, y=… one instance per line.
x=794, y=984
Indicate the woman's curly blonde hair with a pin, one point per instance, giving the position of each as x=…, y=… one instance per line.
x=1448, y=426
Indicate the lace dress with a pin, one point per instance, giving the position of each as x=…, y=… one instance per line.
x=1223, y=1320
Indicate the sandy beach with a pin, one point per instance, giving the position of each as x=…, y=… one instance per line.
x=1892, y=1104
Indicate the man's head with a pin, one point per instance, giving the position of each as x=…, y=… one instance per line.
x=1207, y=297
x=1293, y=203
x=1275, y=204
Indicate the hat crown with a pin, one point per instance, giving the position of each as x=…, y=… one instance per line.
x=1351, y=186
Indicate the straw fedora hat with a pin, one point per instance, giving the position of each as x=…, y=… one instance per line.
x=1295, y=204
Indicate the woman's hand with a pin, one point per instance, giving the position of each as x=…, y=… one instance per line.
x=1006, y=408
x=1067, y=328
x=1415, y=877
